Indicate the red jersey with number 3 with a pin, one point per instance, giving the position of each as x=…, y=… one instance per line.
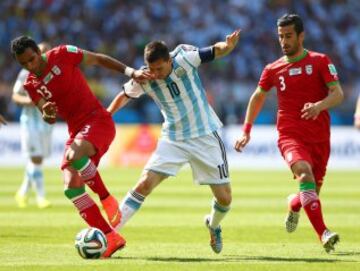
x=300, y=81
x=63, y=83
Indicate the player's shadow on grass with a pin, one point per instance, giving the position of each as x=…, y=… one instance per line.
x=347, y=253
x=228, y=258
x=288, y=259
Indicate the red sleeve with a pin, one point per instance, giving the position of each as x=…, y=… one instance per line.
x=34, y=95
x=266, y=82
x=71, y=54
x=327, y=70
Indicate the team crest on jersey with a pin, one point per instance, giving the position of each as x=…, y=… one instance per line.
x=56, y=70
x=48, y=78
x=308, y=69
x=180, y=71
x=295, y=71
x=71, y=48
x=332, y=69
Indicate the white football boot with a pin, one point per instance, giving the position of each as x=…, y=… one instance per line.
x=329, y=240
x=215, y=236
x=292, y=218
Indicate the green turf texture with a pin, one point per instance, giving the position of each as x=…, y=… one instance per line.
x=168, y=232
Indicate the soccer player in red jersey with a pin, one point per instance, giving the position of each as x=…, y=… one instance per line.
x=307, y=85
x=57, y=86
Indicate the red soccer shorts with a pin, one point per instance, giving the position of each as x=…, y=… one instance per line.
x=98, y=130
x=316, y=154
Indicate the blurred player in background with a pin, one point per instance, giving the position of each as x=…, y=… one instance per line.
x=2, y=120
x=35, y=141
x=307, y=85
x=190, y=128
x=57, y=86
x=357, y=114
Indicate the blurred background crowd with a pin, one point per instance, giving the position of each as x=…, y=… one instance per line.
x=122, y=28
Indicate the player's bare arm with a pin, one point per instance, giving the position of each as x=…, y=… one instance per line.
x=22, y=100
x=223, y=48
x=48, y=110
x=119, y=102
x=2, y=120
x=254, y=107
x=312, y=110
x=91, y=58
x=357, y=114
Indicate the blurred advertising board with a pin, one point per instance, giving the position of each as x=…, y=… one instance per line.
x=134, y=144
x=262, y=151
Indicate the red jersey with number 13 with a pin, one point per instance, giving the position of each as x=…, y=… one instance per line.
x=299, y=81
x=63, y=83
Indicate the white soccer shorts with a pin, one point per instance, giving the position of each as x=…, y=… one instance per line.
x=206, y=156
x=36, y=141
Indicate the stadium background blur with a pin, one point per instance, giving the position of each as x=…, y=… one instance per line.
x=35, y=239
x=122, y=28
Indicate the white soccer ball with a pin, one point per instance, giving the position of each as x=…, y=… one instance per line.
x=90, y=243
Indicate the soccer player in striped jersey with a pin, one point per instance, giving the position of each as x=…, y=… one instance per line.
x=190, y=128
x=307, y=86
x=35, y=141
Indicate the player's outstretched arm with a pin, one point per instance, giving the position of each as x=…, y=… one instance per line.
x=2, y=120
x=119, y=102
x=91, y=58
x=223, y=48
x=255, y=105
x=22, y=100
x=357, y=114
x=312, y=110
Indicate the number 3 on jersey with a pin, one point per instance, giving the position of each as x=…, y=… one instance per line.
x=282, y=83
x=44, y=92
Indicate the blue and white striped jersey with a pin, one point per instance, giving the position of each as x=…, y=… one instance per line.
x=30, y=116
x=180, y=97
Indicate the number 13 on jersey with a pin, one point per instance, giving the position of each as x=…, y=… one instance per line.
x=44, y=92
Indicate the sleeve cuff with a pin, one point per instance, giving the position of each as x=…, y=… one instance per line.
x=207, y=54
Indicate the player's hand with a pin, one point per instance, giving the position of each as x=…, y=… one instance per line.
x=49, y=111
x=310, y=111
x=242, y=142
x=141, y=76
x=232, y=39
x=2, y=121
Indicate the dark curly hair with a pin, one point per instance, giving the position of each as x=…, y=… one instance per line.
x=20, y=44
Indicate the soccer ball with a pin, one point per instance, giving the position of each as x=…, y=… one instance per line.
x=90, y=243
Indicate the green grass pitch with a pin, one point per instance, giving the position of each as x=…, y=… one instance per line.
x=168, y=232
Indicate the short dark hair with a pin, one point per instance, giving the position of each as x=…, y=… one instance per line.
x=156, y=50
x=20, y=44
x=291, y=19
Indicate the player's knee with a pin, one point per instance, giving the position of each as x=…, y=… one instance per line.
x=306, y=177
x=303, y=172
x=224, y=199
x=74, y=154
x=70, y=155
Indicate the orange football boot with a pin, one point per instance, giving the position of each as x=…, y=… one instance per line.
x=111, y=207
x=114, y=242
